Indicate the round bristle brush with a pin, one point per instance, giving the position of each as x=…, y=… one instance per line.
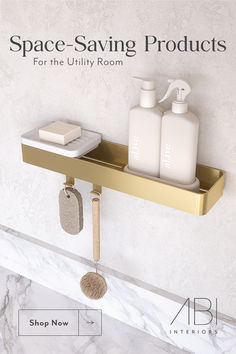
x=92, y=284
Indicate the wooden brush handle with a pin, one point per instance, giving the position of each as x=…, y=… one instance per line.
x=96, y=228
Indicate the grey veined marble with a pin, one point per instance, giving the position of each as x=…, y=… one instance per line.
x=146, y=310
x=17, y=292
x=167, y=248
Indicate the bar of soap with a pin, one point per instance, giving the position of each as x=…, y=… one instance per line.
x=60, y=132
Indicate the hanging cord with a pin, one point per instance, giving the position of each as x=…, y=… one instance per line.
x=96, y=266
x=66, y=185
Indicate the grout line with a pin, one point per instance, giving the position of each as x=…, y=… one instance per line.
x=139, y=283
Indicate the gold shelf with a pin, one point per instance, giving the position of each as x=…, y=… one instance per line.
x=104, y=167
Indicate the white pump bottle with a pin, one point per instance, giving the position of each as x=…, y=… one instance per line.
x=145, y=131
x=179, y=137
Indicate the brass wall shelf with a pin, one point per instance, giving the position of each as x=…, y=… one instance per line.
x=104, y=167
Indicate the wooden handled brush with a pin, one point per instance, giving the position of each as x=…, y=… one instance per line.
x=92, y=284
x=96, y=229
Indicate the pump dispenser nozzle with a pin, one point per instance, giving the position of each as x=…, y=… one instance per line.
x=183, y=89
x=147, y=84
x=148, y=92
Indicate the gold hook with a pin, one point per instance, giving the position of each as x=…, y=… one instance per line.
x=96, y=192
x=70, y=181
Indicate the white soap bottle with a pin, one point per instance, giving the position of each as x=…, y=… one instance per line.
x=145, y=132
x=179, y=137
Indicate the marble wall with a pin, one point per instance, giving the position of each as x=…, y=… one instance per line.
x=184, y=254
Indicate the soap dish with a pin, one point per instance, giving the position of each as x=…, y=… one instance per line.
x=88, y=141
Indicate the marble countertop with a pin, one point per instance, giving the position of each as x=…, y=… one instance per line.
x=17, y=292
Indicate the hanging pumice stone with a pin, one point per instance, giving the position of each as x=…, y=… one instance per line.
x=71, y=210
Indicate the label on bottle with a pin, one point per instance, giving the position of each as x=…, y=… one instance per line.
x=135, y=147
x=167, y=156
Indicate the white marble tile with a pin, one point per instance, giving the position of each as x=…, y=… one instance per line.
x=124, y=301
x=141, y=239
x=17, y=292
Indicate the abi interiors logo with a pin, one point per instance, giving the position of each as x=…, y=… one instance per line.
x=199, y=319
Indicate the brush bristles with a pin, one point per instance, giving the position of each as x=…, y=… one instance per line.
x=93, y=285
